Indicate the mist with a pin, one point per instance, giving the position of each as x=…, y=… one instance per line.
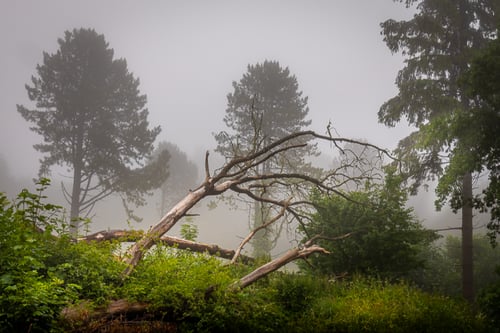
x=186, y=55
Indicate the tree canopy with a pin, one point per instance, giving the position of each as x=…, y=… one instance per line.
x=439, y=43
x=267, y=102
x=265, y=105
x=483, y=82
x=93, y=120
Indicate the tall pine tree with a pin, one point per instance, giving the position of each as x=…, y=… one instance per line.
x=266, y=105
x=438, y=42
x=93, y=121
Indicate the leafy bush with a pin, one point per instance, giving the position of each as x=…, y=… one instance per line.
x=179, y=283
x=385, y=238
x=489, y=303
x=41, y=269
x=295, y=293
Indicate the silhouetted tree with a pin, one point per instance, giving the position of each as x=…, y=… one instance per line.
x=438, y=42
x=266, y=105
x=94, y=121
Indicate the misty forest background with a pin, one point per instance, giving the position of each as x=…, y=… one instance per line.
x=397, y=228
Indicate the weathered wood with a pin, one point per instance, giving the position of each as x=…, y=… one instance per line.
x=289, y=256
x=115, y=234
x=137, y=251
x=183, y=244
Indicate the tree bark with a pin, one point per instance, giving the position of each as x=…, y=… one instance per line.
x=467, y=250
x=75, y=200
x=137, y=251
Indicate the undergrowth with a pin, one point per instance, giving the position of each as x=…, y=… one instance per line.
x=42, y=271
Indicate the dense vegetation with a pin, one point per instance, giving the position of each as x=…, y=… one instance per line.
x=385, y=237
x=50, y=283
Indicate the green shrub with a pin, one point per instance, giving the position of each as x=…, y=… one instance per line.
x=489, y=303
x=295, y=293
x=251, y=310
x=41, y=269
x=179, y=283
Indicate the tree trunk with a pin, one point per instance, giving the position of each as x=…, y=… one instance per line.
x=467, y=251
x=75, y=200
x=137, y=251
x=261, y=243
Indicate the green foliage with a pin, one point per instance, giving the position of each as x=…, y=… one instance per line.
x=179, y=283
x=264, y=106
x=297, y=303
x=41, y=269
x=385, y=238
x=483, y=83
x=189, y=231
x=41, y=272
x=489, y=302
x=295, y=293
x=439, y=43
x=251, y=310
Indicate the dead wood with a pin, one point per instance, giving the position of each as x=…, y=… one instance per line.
x=289, y=256
x=182, y=244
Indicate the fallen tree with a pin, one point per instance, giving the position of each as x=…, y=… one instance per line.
x=179, y=243
x=286, y=194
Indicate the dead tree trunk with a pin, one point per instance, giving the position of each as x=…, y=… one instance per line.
x=137, y=251
x=289, y=256
x=179, y=243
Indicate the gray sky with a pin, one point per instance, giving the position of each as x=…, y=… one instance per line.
x=187, y=53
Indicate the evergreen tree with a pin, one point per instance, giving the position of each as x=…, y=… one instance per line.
x=438, y=42
x=266, y=105
x=483, y=83
x=94, y=121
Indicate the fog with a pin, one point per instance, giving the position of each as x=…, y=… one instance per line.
x=186, y=55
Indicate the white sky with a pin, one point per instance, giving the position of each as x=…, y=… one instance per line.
x=187, y=53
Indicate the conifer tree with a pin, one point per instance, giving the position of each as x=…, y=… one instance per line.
x=93, y=121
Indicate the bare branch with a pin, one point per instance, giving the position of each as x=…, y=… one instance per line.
x=207, y=169
x=240, y=176
x=253, y=232
x=316, y=237
x=277, y=263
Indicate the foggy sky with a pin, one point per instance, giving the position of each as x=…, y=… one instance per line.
x=187, y=53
